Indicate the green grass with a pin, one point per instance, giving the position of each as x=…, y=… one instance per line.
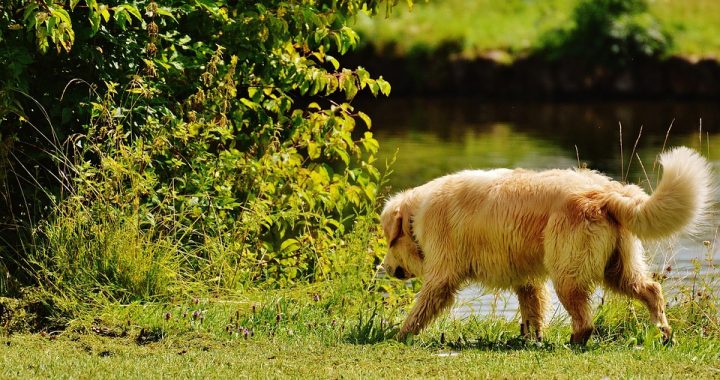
x=695, y=25
x=305, y=343
x=480, y=25
x=505, y=29
x=90, y=357
x=345, y=329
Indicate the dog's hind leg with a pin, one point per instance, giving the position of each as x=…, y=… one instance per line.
x=651, y=294
x=436, y=295
x=626, y=273
x=576, y=300
x=578, y=242
x=534, y=300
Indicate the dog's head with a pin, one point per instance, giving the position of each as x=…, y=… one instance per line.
x=404, y=258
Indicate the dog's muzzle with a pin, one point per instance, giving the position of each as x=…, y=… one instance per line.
x=400, y=273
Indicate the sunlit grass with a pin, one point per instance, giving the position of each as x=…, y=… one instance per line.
x=695, y=25
x=514, y=27
x=91, y=357
x=479, y=25
x=318, y=332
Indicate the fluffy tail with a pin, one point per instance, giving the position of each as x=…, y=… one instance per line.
x=680, y=202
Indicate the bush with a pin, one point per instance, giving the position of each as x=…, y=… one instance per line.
x=214, y=147
x=608, y=32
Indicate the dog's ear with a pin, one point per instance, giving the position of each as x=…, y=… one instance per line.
x=399, y=226
x=395, y=227
x=405, y=220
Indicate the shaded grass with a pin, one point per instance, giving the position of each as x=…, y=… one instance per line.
x=512, y=28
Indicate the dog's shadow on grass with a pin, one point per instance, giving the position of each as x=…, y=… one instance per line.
x=372, y=327
x=371, y=336
x=604, y=335
x=365, y=335
x=487, y=344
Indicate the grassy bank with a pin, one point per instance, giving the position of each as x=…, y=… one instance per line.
x=506, y=29
x=346, y=328
x=90, y=357
x=326, y=332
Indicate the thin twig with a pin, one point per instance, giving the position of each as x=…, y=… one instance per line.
x=707, y=139
x=700, y=133
x=622, y=157
x=643, y=169
x=577, y=154
x=633, y=153
x=667, y=136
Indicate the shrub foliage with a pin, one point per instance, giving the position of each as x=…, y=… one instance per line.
x=207, y=140
x=611, y=32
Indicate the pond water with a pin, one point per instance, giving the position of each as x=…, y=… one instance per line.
x=427, y=138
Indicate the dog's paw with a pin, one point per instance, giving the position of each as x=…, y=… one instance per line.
x=668, y=338
x=404, y=336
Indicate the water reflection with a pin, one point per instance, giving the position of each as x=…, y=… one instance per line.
x=432, y=137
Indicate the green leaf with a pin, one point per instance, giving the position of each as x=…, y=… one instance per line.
x=162, y=11
x=344, y=156
x=384, y=86
x=60, y=13
x=133, y=11
x=250, y=104
x=103, y=9
x=29, y=14
x=350, y=88
x=333, y=61
x=365, y=118
x=94, y=22
x=254, y=93
x=374, y=88
x=121, y=17
x=369, y=143
x=332, y=84
x=51, y=24
x=363, y=76
x=313, y=150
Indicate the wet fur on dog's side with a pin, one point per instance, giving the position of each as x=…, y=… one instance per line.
x=514, y=229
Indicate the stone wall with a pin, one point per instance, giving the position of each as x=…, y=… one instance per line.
x=426, y=74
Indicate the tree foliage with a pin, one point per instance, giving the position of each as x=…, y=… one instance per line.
x=611, y=32
x=219, y=132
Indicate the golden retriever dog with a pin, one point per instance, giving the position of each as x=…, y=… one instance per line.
x=514, y=229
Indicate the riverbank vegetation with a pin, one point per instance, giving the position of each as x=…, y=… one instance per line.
x=345, y=328
x=149, y=149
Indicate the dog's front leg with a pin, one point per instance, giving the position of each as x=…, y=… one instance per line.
x=434, y=297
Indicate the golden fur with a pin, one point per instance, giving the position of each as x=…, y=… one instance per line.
x=513, y=229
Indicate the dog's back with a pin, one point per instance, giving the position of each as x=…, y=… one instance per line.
x=499, y=219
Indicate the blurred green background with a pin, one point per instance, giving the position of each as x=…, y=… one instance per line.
x=507, y=29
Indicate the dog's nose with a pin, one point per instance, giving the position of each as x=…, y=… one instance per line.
x=400, y=273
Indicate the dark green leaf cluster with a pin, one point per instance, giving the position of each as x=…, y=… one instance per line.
x=609, y=32
x=217, y=137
